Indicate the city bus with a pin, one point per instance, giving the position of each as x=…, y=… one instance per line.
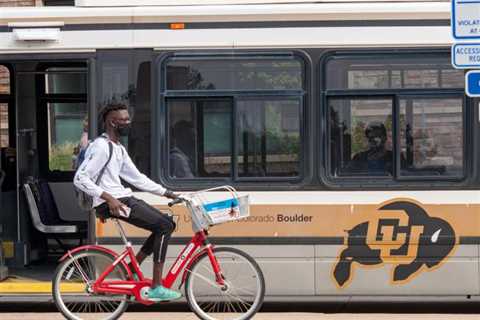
x=344, y=122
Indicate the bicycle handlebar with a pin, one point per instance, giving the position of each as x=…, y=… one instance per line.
x=188, y=197
x=176, y=201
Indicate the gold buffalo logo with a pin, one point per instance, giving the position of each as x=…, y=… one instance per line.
x=401, y=234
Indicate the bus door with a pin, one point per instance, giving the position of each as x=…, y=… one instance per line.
x=50, y=111
x=8, y=195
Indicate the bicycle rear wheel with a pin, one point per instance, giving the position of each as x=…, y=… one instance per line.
x=243, y=294
x=72, y=292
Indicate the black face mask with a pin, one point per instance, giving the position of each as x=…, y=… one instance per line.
x=123, y=130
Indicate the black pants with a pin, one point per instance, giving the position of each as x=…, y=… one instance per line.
x=144, y=216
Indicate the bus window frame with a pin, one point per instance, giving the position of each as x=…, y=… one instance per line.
x=43, y=99
x=395, y=181
x=160, y=65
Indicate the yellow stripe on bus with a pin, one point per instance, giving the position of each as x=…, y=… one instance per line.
x=8, y=251
x=9, y=286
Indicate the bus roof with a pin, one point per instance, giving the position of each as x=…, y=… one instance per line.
x=326, y=11
x=288, y=25
x=140, y=3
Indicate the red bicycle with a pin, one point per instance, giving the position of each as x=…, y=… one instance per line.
x=94, y=282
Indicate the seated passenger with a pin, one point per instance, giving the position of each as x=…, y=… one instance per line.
x=376, y=159
x=182, y=142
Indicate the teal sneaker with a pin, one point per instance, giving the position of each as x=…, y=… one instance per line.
x=161, y=293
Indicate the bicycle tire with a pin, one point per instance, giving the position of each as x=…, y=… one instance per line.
x=94, y=307
x=230, y=260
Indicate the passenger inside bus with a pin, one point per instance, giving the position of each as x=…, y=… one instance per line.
x=81, y=148
x=182, y=146
x=377, y=159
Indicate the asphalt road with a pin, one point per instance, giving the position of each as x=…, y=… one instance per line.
x=276, y=311
x=261, y=316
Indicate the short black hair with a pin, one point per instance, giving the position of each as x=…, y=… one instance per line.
x=377, y=127
x=113, y=106
x=181, y=132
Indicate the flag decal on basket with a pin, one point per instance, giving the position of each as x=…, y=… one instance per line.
x=219, y=208
x=234, y=207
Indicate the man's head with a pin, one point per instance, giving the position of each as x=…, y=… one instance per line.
x=183, y=135
x=116, y=118
x=376, y=134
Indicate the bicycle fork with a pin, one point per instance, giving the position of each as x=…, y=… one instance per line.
x=219, y=278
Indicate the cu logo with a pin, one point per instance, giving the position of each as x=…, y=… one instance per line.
x=402, y=234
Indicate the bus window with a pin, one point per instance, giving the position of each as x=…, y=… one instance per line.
x=200, y=138
x=234, y=73
x=67, y=134
x=115, y=79
x=4, y=80
x=4, y=137
x=115, y=82
x=4, y=99
x=63, y=115
x=361, y=137
x=425, y=96
x=124, y=76
x=432, y=136
x=263, y=95
x=452, y=78
x=391, y=71
x=65, y=81
x=268, y=138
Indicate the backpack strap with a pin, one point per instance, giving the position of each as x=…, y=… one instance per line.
x=110, y=152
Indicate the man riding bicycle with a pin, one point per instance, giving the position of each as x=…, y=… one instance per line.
x=111, y=198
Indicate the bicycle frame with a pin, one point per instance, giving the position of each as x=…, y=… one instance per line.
x=133, y=287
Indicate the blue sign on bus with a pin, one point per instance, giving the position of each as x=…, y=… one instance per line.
x=472, y=83
x=466, y=19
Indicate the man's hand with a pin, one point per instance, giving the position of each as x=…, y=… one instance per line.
x=170, y=195
x=115, y=206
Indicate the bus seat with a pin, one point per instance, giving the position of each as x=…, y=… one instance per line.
x=45, y=216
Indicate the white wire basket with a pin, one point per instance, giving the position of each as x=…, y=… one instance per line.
x=231, y=208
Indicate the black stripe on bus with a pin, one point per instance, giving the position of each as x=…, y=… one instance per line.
x=237, y=240
x=469, y=240
x=251, y=24
x=263, y=240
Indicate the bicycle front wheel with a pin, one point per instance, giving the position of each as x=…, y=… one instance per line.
x=240, y=298
x=72, y=292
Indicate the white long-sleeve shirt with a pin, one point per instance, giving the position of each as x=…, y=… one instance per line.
x=120, y=166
